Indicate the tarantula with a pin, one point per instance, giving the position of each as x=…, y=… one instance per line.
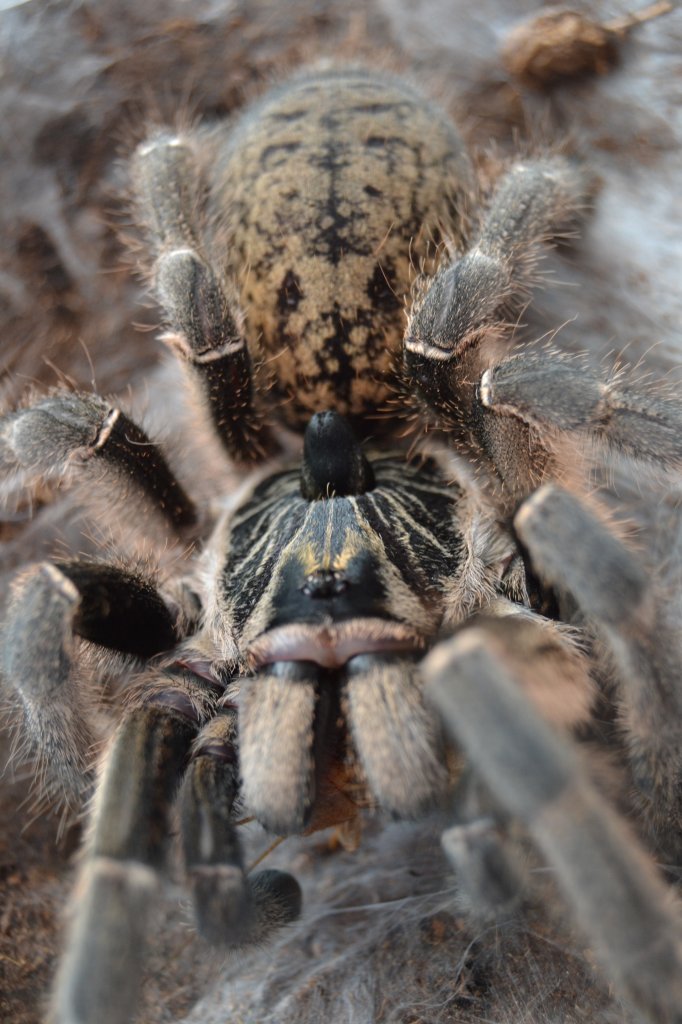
x=284, y=674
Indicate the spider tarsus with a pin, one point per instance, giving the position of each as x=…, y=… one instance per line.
x=221, y=903
x=277, y=900
x=489, y=883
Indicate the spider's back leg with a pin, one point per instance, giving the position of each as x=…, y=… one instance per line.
x=556, y=393
x=83, y=436
x=474, y=302
x=465, y=319
x=199, y=300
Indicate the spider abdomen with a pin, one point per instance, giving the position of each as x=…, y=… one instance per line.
x=336, y=186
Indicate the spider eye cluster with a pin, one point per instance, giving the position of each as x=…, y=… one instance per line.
x=343, y=539
x=325, y=583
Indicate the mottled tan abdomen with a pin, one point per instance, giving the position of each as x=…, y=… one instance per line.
x=337, y=185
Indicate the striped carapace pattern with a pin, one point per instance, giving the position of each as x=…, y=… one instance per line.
x=387, y=553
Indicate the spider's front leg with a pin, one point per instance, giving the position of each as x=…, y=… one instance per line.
x=48, y=604
x=99, y=978
x=612, y=887
x=199, y=301
x=637, y=621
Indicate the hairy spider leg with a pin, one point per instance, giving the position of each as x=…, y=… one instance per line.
x=230, y=908
x=100, y=974
x=204, y=317
x=85, y=436
x=471, y=306
x=50, y=603
x=613, y=888
x=554, y=392
x=575, y=552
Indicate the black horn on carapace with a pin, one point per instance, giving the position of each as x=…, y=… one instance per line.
x=333, y=462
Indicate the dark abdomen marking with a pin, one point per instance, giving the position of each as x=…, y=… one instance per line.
x=342, y=181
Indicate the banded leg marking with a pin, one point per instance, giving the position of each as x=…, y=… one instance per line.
x=80, y=433
x=201, y=305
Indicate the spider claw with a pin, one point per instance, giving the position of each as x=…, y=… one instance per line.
x=276, y=901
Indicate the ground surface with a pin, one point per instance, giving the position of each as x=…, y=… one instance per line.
x=381, y=939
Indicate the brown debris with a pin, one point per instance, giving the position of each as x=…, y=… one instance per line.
x=563, y=44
